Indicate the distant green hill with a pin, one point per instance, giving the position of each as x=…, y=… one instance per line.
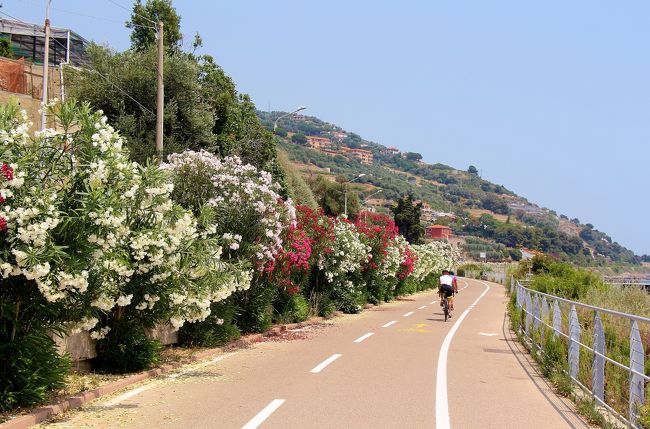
x=482, y=209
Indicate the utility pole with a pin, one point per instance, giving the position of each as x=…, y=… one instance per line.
x=160, y=100
x=46, y=60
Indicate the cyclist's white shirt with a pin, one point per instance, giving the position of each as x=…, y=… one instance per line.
x=446, y=280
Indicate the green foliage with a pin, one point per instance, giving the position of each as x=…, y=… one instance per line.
x=126, y=348
x=413, y=156
x=254, y=307
x=202, y=107
x=299, y=138
x=587, y=408
x=562, y=279
x=472, y=170
x=30, y=368
x=5, y=48
x=189, y=118
x=331, y=197
x=644, y=413
x=218, y=329
x=143, y=17
x=554, y=358
x=495, y=204
x=290, y=308
x=407, y=218
x=297, y=188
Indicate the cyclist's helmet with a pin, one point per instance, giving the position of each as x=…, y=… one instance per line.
x=451, y=273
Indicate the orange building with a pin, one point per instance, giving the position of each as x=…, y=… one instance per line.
x=316, y=142
x=362, y=155
x=438, y=231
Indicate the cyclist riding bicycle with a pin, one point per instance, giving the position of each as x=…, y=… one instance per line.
x=454, y=283
x=447, y=288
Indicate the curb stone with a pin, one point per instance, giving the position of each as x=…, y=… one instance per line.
x=41, y=414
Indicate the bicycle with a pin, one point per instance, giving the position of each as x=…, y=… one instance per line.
x=445, y=307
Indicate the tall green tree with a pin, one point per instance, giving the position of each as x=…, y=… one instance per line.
x=202, y=107
x=143, y=20
x=123, y=85
x=331, y=197
x=407, y=218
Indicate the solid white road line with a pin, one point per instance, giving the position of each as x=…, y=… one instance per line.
x=125, y=396
x=408, y=314
x=324, y=363
x=389, y=323
x=363, y=337
x=264, y=414
x=420, y=308
x=442, y=403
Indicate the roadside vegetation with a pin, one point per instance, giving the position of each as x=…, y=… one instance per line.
x=563, y=280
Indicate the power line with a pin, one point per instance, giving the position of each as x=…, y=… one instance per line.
x=123, y=92
x=129, y=10
x=77, y=13
x=92, y=70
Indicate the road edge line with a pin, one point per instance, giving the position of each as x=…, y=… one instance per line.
x=442, y=402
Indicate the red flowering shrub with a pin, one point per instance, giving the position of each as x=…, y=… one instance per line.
x=378, y=229
x=407, y=266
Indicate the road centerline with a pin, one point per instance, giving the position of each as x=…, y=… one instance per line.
x=408, y=314
x=264, y=414
x=420, y=308
x=389, y=324
x=318, y=368
x=363, y=337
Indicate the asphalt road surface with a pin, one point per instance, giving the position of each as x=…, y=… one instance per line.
x=398, y=365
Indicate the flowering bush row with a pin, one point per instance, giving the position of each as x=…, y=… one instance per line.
x=90, y=241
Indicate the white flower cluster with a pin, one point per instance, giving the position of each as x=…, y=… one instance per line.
x=434, y=257
x=348, y=253
x=395, y=256
x=246, y=201
x=98, y=233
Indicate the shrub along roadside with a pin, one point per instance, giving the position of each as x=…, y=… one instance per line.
x=92, y=242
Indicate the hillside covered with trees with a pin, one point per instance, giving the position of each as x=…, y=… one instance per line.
x=481, y=209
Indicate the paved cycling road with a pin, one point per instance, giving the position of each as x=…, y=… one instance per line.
x=398, y=365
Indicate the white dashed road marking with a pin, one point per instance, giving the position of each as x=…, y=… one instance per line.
x=363, y=337
x=326, y=362
x=264, y=414
x=389, y=323
x=408, y=314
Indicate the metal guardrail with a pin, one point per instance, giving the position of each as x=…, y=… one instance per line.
x=544, y=310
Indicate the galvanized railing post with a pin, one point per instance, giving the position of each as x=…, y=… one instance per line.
x=545, y=311
x=598, y=367
x=537, y=312
x=574, y=338
x=637, y=367
x=529, y=312
x=557, y=319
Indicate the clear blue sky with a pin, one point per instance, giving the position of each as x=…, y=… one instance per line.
x=550, y=99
